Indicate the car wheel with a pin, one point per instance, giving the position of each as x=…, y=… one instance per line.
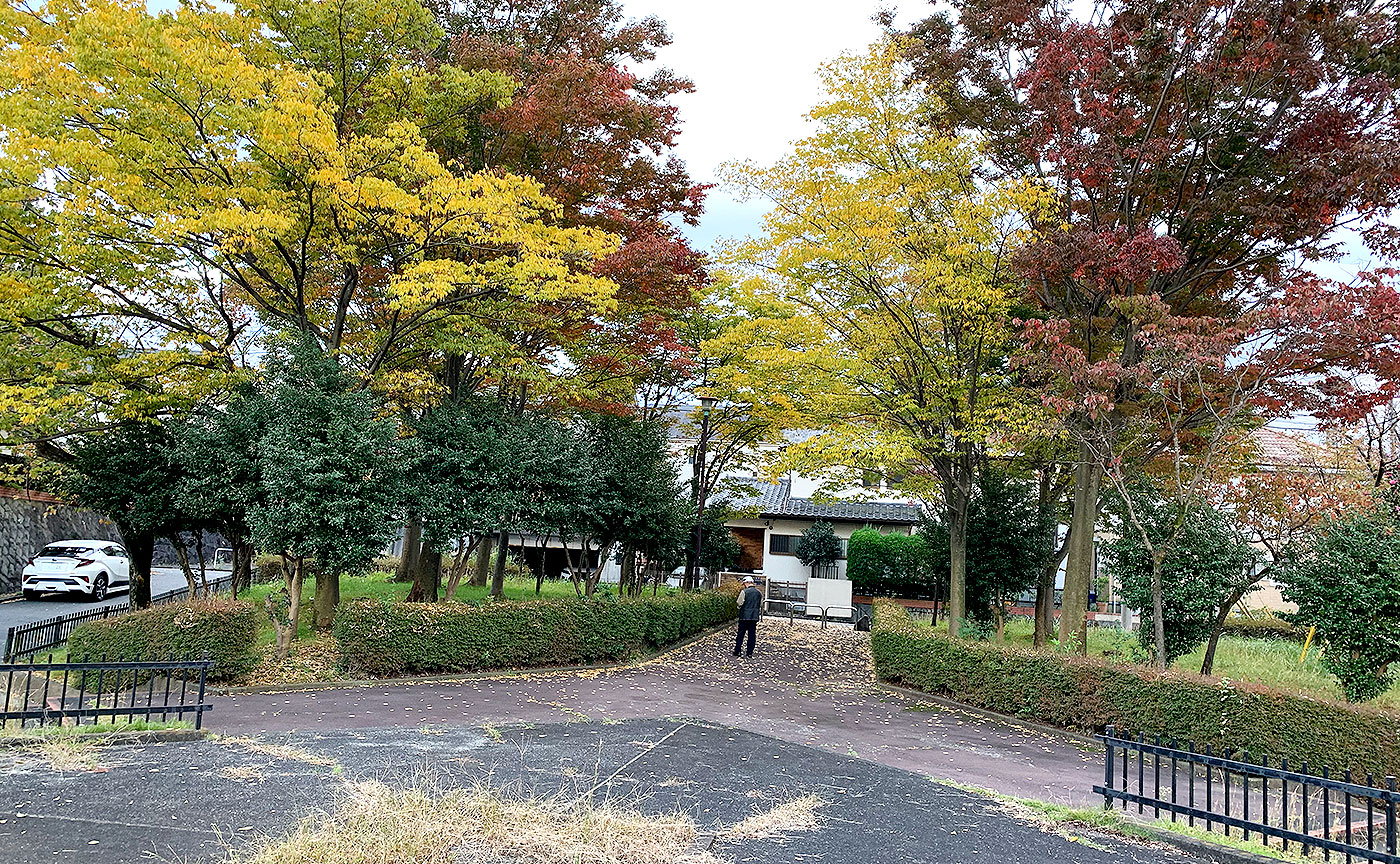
x=99, y=588
x=32, y=595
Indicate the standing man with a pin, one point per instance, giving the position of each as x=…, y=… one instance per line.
x=750, y=603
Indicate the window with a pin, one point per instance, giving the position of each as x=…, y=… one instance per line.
x=870, y=479
x=783, y=544
x=64, y=552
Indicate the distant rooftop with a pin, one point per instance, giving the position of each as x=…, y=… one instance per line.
x=775, y=500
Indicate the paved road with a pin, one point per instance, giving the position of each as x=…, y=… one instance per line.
x=16, y=612
x=190, y=802
x=805, y=686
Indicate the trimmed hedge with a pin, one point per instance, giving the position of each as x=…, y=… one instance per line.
x=224, y=630
x=1086, y=694
x=1263, y=628
x=386, y=638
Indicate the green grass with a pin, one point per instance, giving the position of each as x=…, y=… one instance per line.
x=68, y=730
x=1063, y=820
x=1270, y=662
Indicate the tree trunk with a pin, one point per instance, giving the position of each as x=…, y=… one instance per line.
x=1208, y=662
x=182, y=557
x=140, y=549
x=412, y=545
x=427, y=577
x=1079, y=566
x=459, y=566
x=1159, y=625
x=1045, y=580
x=286, y=628
x=241, y=576
x=483, y=562
x=957, y=553
x=628, y=574
x=326, y=600
x=498, y=574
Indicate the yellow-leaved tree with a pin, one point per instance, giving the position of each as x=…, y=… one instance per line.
x=879, y=297
x=173, y=185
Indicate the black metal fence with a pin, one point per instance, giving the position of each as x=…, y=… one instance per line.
x=25, y=639
x=1334, y=814
x=96, y=691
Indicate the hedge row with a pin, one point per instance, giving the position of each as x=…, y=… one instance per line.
x=224, y=630
x=1087, y=694
x=383, y=639
x=1263, y=628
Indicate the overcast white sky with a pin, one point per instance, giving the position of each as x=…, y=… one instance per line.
x=754, y=64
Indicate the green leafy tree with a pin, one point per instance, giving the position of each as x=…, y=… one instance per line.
x=1208, y=560
x=332, y=476
x=1346, y=581
x=130, y=474
x=718, y=547
x=1008, y=533
x=818, y=546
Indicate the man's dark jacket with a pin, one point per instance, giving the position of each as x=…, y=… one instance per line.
x=750, y=604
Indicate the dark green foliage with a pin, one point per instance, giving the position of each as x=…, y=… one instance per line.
x=890, y=565
x=1346, y=581
x=1007, y=536
x=1208, y=559
x=1085, y=695
x=380, y=638
x=718, y=548
x=332, y=472
x=818, y=545
x=225, y=631
x=130, y=474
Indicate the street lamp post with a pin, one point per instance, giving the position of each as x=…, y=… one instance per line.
x=706, y=405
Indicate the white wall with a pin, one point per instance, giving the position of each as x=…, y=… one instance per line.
x=830, y=594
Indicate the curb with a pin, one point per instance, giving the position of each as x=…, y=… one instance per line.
x=1207, y=850
x=114, y=739
x=454, y=677
x=955, y=705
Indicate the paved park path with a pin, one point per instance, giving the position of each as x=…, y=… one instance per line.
x=804, y=686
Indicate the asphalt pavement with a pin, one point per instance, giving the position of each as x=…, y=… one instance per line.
x=16, y=612
x=195, y=801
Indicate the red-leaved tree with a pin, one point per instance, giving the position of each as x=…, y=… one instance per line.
x=1204, y=153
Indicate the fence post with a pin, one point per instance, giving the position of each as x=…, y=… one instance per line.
x=1108, y=767
x=199, y=711
x=1390, y=816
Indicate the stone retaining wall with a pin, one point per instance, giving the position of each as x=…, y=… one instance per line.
x=31, y=520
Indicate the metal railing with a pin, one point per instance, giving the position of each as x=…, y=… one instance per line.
x=792, y=606
x=104, y=690
x=25, y=639
x=1333, y=814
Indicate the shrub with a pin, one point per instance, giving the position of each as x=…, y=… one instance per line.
x=888, y=564
x=1347, y=582
x=1086, y=694
x=1266, y=627
x=1207, y=561
x=818, y=546
x=224, y=630
x=382, y=638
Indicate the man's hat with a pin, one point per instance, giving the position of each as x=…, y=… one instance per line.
x=748, y=580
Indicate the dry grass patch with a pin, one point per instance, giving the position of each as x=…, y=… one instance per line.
x=799, y=814
x=70, y=754
x=280, y=751
x=243, y=773
x=381, y=825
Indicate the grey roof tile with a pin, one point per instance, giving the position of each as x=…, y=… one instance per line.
x=775, y=500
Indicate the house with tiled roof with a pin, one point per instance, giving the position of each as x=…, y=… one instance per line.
x=768, y=523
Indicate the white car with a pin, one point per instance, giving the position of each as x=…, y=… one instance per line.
x=88, y=567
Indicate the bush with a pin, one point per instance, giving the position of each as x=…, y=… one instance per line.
x=1346, y=580
x=894, y=565
x=1085, y=694
x=382, y=638
x=224, y=630
x=1266, y=627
